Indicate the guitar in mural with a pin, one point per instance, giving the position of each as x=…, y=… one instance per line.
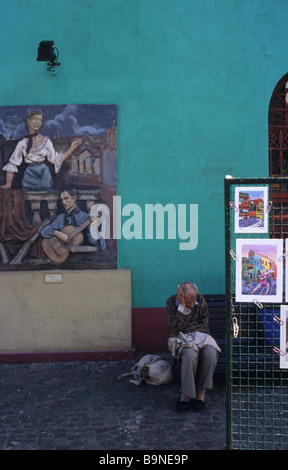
x=57, y=250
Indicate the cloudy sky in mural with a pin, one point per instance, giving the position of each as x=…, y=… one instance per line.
x=60, y=120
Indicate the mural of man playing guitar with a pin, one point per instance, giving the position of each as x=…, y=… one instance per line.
x=67, y=229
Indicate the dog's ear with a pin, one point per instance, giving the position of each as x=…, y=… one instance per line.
x=144, y=372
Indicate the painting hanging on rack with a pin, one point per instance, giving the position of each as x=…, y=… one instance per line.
x=284, y=337
x=286, y=270
x=259, y=266
x=251, y=209
x=58, y=178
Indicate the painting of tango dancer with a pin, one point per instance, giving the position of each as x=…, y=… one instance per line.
x=259, y=270
x=251, y=213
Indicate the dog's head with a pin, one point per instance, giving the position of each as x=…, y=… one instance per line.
x=158, y=373
x=144, y=372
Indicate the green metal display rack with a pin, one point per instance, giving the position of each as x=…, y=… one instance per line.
x=257, y=388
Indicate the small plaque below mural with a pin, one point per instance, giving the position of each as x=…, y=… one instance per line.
x=53, y=278
x=58, y=178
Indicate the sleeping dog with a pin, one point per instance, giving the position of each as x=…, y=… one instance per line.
x=152, y=369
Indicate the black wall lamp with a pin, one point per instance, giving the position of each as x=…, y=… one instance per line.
x=47, y=52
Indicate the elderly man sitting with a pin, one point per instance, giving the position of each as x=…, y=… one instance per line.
x=190, y=340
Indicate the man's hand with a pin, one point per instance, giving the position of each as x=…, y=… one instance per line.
x=95, y=217
x=71, y=149
x=62, y=236
x=180, y=297
x=75, y=144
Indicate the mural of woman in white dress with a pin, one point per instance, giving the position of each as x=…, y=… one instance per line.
x=34, y=149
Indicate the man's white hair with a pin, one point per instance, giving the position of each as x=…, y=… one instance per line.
x=184, y=286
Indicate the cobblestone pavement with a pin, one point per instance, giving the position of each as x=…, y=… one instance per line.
x=82, y=406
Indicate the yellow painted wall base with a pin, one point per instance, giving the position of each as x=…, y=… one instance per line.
x=65, y=310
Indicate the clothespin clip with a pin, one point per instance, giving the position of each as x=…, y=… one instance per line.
x=259, y=305
x=232, y=253
x=278, y=320
x=282, y=257
x=235, y=208
x=235, y=327
x=278, y=351
x=269, y=207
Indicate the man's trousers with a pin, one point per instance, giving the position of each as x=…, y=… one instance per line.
x=206, y=359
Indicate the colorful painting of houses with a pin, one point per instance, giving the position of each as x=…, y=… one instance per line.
x=259, y=273
x=251, y=215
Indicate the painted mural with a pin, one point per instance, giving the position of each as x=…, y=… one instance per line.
x=58, y=178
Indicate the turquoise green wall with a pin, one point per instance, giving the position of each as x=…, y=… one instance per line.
x=192, y=80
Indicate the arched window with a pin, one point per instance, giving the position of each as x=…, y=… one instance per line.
x=278, y=157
